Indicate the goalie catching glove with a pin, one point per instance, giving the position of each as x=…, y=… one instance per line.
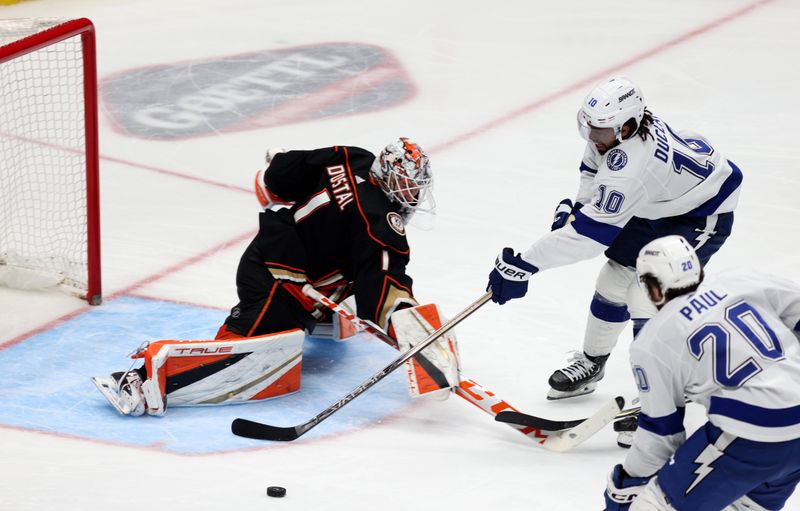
x=436, y=369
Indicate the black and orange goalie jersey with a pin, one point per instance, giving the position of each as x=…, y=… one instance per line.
x=342, y=234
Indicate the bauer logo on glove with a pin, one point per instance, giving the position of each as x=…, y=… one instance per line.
x=509, y=279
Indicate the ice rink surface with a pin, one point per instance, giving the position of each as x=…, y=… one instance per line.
x=491, y=91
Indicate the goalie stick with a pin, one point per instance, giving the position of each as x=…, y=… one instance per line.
x=470, y=390
x=467, y=389
x=259, y=431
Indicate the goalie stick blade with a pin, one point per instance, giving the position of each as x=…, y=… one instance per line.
x=258, y=431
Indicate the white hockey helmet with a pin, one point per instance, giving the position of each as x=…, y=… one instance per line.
x=403, y=172
x=607, y=107
x=672, y=261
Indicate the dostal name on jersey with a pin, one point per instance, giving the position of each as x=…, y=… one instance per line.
x=340, y=186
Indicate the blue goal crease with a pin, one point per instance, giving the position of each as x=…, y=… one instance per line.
x=46, y=381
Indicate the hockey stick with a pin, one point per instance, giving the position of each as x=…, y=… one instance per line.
x=567, y=439
x=548, y=434
x=522, y=419
x=467, y=389
x=259, y=431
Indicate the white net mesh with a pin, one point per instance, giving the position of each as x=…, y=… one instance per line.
x=43, y=219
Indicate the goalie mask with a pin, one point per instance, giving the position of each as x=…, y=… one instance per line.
x=672, y=262
x=404, y=174
x=607, y=108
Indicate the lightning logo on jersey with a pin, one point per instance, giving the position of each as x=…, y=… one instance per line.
x=706, y=458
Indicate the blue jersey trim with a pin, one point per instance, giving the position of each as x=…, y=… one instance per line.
x=797, y=327
x=607, y=311
x=671, y=424
x=755, y=415
x=598, y=231
x=730, y=185
x=586, y=168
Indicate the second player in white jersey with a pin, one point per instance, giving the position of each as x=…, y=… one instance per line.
x=640, y=179
x=732, y=346
x=730, y=343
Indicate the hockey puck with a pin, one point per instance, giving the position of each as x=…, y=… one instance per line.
x=276, y=491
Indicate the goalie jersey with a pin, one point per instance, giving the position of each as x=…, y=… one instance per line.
x=341, y=234
x=732, y=346
x=669, y=173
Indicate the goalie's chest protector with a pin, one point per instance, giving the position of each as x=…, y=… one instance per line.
x=347, y=217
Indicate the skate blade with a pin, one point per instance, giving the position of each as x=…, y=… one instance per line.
x=554, y=395
x=107, y=387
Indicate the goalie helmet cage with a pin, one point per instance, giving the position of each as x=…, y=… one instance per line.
x=49, y=163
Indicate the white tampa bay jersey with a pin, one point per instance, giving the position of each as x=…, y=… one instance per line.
x=669, y=173
x=733, y=346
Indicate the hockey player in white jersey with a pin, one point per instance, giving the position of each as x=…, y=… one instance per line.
x=640, y=180
x=732, y=344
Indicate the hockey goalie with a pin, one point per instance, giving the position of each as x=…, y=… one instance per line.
x=333, y=218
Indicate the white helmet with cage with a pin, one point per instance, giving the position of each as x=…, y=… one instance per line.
x=608, y=107
x=403, y=172
x=672, y=261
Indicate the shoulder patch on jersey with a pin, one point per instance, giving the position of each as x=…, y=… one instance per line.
x=396, y=223
x=616, y=159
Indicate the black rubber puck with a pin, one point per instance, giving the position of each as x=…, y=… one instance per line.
x=276, y=491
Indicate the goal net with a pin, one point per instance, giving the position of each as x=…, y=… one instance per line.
x=49, y=211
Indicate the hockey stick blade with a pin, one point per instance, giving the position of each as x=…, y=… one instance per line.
x=569, y=438
x=259, y=431
x=523, y=419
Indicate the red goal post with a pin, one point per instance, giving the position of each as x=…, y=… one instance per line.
x=49, y=163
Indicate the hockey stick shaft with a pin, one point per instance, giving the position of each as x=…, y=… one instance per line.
x=252, y=429
x=467, y=389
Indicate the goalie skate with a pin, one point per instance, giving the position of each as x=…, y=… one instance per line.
x=578, y=378
x=126, y=397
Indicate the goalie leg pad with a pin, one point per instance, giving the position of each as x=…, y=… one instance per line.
x=185, y=373
x=435, y=369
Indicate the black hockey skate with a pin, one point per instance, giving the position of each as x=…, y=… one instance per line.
x=578, y=378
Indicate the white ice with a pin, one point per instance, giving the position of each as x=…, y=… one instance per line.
x=497, y=87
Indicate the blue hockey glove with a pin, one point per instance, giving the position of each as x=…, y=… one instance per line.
x=621, y=489
x=509, y=279
x=564, y=213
